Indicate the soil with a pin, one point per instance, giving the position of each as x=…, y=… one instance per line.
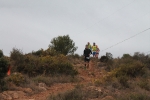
x=87, y=76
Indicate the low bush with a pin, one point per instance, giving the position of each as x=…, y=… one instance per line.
x=108, y=59
x=79, y=93
x=50, y=80
x=75, y=94
x=125, y=56
x=16, y=78
x=1, y=53
x=123, y=80
x=127, y=69
x=132, y=69
x=3, y=67
x=3, y=71
x=144, y=84
x=104, y=59
x=74, y=56
x=143, y=58
x=58, y=65
x=37, y=65
x=38, y=53
x=134, y=96
x=17, y=56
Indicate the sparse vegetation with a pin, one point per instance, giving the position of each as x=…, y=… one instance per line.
x=1, y=53
x=37, y=65
x=16, y=78
x=3, y=70
x=128, y=74
x=53, y=79
x=134, y=96
x=79, y=93
x=125, y=78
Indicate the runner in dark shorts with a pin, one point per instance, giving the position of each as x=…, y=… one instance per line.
x=87, y=52
x=87, y=59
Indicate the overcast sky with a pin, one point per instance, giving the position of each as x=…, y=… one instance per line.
x=31, y=24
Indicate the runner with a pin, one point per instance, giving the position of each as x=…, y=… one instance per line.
x=94, y=50
x=89, y=46
x=87, y=52
x=97, y=51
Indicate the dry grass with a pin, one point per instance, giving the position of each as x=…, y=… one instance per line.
x=32, y=82
x=80, y=92
x=54, y=79
x=126, y=79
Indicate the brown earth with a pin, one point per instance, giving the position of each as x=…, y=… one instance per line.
x=87, y=76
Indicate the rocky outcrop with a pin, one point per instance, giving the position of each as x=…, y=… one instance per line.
x=21, y=93
x=42, y=86
x=15, y=95
x=12, y=95
x=108, y=98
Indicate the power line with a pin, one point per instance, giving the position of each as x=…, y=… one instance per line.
x=126, y=39
x=108, y=16
x=129, y=23
x=147, y=52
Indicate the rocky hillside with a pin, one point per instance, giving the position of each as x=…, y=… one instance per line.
x=119, y=79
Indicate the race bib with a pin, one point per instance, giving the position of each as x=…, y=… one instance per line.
x=87, y=57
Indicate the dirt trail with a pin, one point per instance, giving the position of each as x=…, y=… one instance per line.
x=55, y=89
x=86, y=75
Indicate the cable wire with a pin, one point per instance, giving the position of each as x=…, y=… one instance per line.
x=147, y=52
x=107, y=16
x=126, y=39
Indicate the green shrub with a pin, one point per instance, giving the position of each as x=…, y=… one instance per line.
x=50, y=80
x=144, y=84
x=58, y=65
x=41, y=52
x=1, y=53
x=3, y=85
x=16, y=78
x=74, y=56
x=139, y=56
x=132, y=69
x=126, y=69
x=109, y=64
x=3, y=67
x=17, y=55
x=125, y=56
x=75, y=94
x=104, y=59
x=139, y=97
x=38, y=53
x=143, y=58
x=17, y=59
x=123, y=80
x=79, y=93
x=108, y=57
x=134, y=96
x=3, y=71
x=47, y=65
x=63, y=44
x=50, y=52
x=31, y=65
